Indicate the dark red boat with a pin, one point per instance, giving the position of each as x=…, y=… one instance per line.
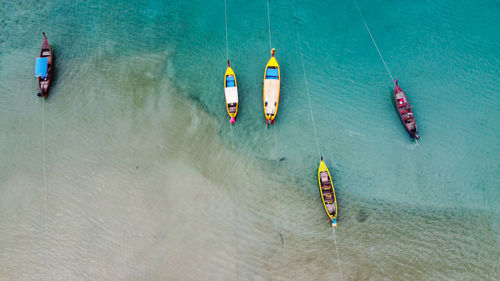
x=45, y=67
x=405, y=112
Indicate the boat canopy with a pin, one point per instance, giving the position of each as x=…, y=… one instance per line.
x=272, y=73
x=231, y=95
x=230, y=81
x=41, y=66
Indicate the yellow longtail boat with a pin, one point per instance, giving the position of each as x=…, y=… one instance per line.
x=231, y=93
x=327, y=192
x=271, y=89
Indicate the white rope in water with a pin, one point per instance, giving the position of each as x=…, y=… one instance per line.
x=227, y=40
x=276, y=150
x=270, y=48
x=232, y=148
x=236, y=262
x=269, y=26
x=314, y=124
x=232, y=142
x=276, y=144
x=307, y=85
x=336, y=250
x=227, y=56
x=280, y=200
x=275, y=133
x=373, y=40
x=43, y=169
x=280, y=195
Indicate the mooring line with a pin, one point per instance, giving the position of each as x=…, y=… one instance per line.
x=227, y=40
x=335, y=239
x=232, y=150
x=233, y=195
x=299, y=40
x=276, y=145
x=269, y=26
x=279, y=225
x=270, y=49
x=232, y=141
x=44, y=170
x=280, y=196
x=307, y=84
x=277, y=159
x=373, y=40
x=336, y=250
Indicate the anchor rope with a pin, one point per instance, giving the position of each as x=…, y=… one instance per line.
x=236, y=261
x=44, y=169
x=307, y=84
x=232, y=149
x=235, y=216
x=336, y=250
x=373, y=40
x=299, y=40
x=275, y=133
x=335, y=241
x=276, y=145
x=232, y=141
x=269, y=26
x=280, y=195
x=270, y=49
x=225, y=21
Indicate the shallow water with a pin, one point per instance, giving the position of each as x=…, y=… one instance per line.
x=130, y=170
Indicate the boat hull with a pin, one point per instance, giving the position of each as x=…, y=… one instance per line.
x=231, y=94
x=405, y=112
x=44, y=83
x=271, y=90
x=323, y=192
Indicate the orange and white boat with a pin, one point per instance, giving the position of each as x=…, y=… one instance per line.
x=271, y=89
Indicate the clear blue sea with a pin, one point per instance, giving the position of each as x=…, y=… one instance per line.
x=130, y=170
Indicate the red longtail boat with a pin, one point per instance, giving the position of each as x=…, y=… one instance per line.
x=405, y=112
x=43, y=68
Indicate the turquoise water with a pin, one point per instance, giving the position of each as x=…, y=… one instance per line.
x=130, y=170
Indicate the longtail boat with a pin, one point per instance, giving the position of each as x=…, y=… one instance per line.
x=231, y=93
x=43, y=68
x=405, y=112
x=271, y=89
x=327, y=192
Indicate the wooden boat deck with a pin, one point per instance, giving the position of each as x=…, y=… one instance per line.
x=271, y=93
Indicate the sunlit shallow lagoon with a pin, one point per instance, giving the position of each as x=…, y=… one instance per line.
x=130, y=170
